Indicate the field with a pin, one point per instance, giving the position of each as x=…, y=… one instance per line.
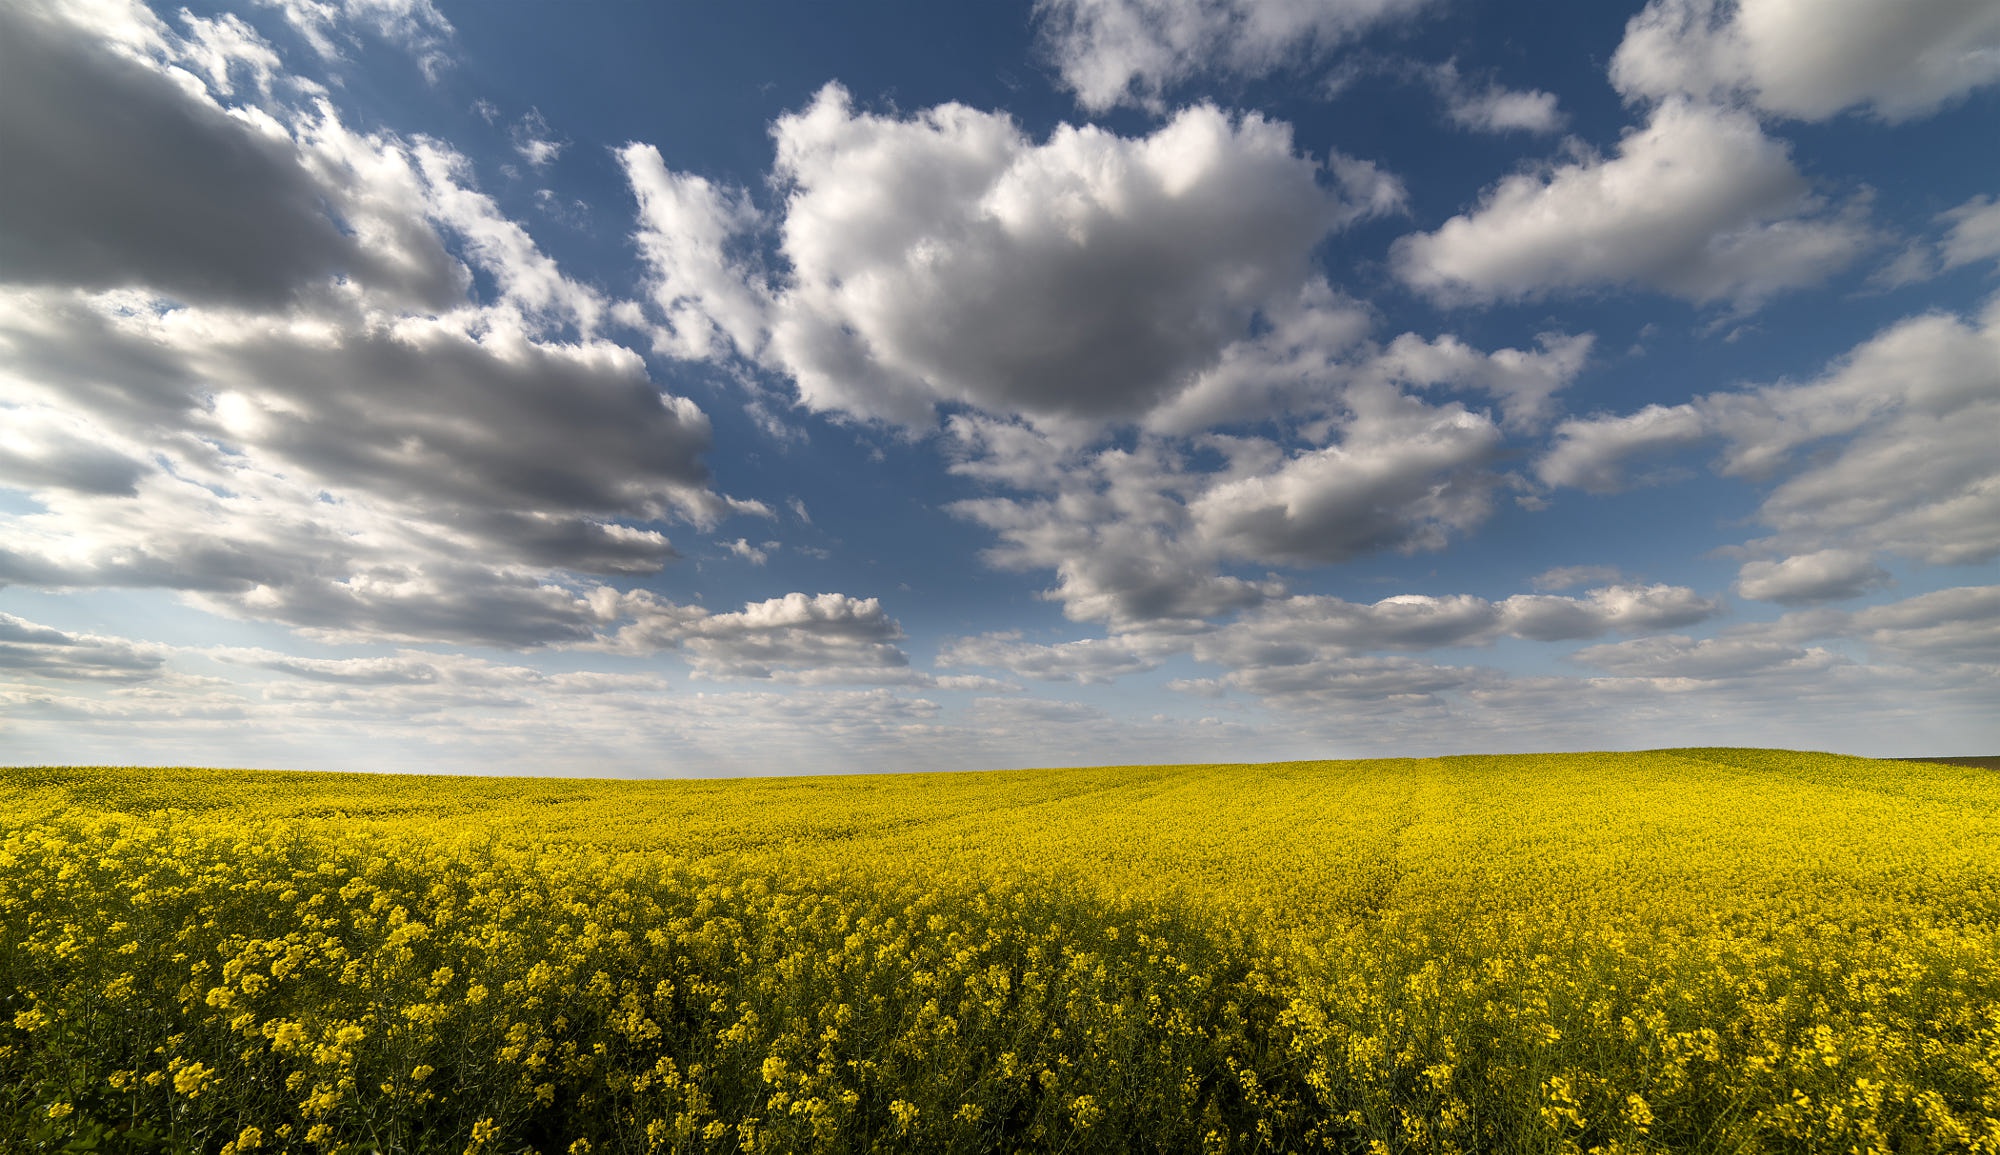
x=1686, y=950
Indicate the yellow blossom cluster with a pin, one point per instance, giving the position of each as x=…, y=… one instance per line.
x=1698, y=950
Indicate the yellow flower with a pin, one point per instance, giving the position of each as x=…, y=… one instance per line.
x=194, y=1078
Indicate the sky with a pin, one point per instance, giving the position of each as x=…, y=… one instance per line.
x=780, y=388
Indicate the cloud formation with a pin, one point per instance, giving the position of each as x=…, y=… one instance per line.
x=947, y=258
x=1827, y=575
x=124, y=170
x=1315, y=635
x=1113, y=52
x=1898, y=59
x=29, y=648
x=1900, y=428
x=1492, y=107
x=320, y=378
x=1141, y=535
x=1699, y=203
x=796, y=638
x=415, y=25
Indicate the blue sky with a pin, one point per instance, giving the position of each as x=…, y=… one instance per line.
x=785, y=388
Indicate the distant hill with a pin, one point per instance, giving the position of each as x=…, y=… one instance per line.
x=1986, y=762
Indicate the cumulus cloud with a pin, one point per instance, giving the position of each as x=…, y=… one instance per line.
x=949, y=258
x=1142, y=535
x=1707, y=659
x=1347, y=683
x=1085, y=660
x=330, y=426
x=1064, y=287
x=1899, y=59
x=1570, y=576
x=1112, y=52
x=534, y=446
x=1902, y=429
x=1825, y=575
x=534, y=142
x=1145, y=534
x=1404, y=476
x=124, y=170
x=1698, y=203
x=1492, y=107
x=755, y=555
x=796, y=638
x=1595, y=453
x=708, y=298
x=1951, y=625
x=1111, y=524
x=945, y=257
x=1319, y=636
x=415, y=25
x=1949, y=637
x=1974, y=234
x=1524, y=381
x=1316, y=347
x=1307, y=628
x=27, y=648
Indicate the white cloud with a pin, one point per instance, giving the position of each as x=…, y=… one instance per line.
x=755, y=555
x=1699, y=203
x=1593, y=453
x=1085, y=660
x=1675, y=656
x=534, y=141
x=1825, y=575
x=1088, y=280
x=1284, y=646
x=1347, y=684
x=1525, y=382
x=708, y=298
x=27, y=648
x=1146, y=534
x=945, y=257
x=1492, y=107
x=1622, y=608
x=1309, y=628
x=125, y=170
x=1951, y=625
x=1975, y=232
x=1112, y=52
x=1903, y=425
x=1950, y=638
x=811, y=640
x=340, y=439
x=1316, y=347
x=1811, y=60
x=528, y=278
x=1111, y=524
x=1506, y=110
x=1571, y=576
x=1916, y=474
x=508, y=437
x=1403, y=476
x=415, y=25
x=975, y=684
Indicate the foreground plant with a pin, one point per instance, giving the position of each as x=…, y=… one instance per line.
x=1690, y=950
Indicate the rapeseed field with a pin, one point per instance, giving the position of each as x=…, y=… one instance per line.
x=1685, y=950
